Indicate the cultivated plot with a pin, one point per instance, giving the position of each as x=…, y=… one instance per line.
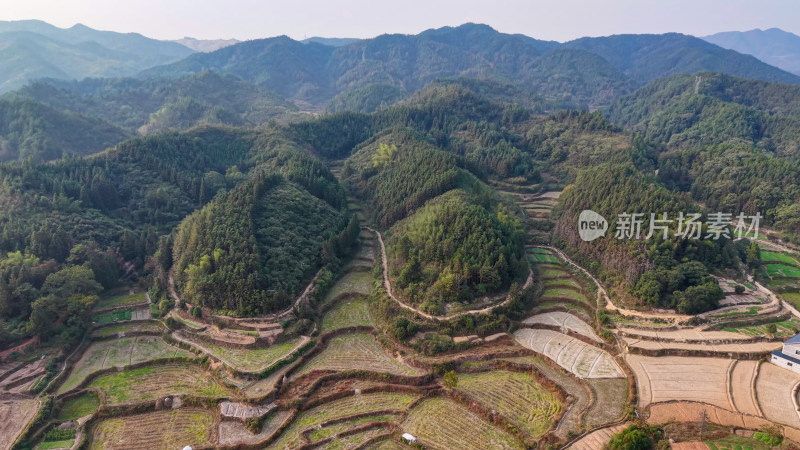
x=610, y=400
x=744, y=347
x=682, y=378
x=356, y=405
x=351, y=283
x=78, y=407
x=157, y=430
x=349, y=312
x=578, y=357
x=774, y=391
x=118, y=353
x=254, y=359
x=232, y=432
x=743, y=375
x=121, y=300
x=357, y=351
x=566, y=321
x=440, y=423
x=150, y=383
x=15, y=413
x=147, y=326
x=517, y=396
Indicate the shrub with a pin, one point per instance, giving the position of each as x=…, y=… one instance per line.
x=772, y=328
x=739, y=289
x=450, y=379
x=254, y=425
x=635, y=438
x=54, y=434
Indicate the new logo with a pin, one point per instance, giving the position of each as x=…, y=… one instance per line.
x=591, y=225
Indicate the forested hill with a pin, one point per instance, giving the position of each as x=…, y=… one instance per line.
x=733, y=143
x=585, y=72
x=29, y=129
x=247, y=217
x=49, y=118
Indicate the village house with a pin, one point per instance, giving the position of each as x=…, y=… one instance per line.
x=789, y=358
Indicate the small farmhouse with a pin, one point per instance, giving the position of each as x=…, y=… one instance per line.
x=789, y=358
x=409, y=438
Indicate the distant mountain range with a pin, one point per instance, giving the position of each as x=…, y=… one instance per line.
x=32, y=49
x=364, y=74
x=206, y=45
x=588, y=72
x=773, y=46
x=333, y=42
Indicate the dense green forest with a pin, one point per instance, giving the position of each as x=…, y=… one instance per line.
x=671, y=272
x=246, y=217
x=253, y=249
x=50, y=118
x=30, y=129
x=732, y=143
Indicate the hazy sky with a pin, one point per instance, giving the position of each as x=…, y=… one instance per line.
x=552, y=19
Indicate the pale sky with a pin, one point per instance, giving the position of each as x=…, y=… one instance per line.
x=558, y=20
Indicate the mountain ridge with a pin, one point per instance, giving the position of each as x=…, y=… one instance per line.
x=618, y=64
x=773, y=46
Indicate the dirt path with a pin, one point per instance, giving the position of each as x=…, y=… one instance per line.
x=388, y=286
x=769, y=243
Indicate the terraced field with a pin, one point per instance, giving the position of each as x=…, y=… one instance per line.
x=353, y=440
x=564, y=320
x=778, y=257
x=232, y=432
x=741, y=379
x=610, y=400
x=786, y=328
x=158, y=430
x=15, y=413
x=352, y=282
x=782, y=270
x=129, y=327
x=118, y=353
x=356, y=351
x=150, y=383
x=551, y=271
x=121, y=300
x=558, y=281
x=440, y=423
x=345, y=407
x=253, y=359
x=571, y=420
x=682, y=378
x=578, y=357
x=542, y=255
x=321, y=432
x=348, y=313
x=78, y=407
x=517, y=396
x=563, y=292
x=774, y=387
x=598, y=438
x=745, y=347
